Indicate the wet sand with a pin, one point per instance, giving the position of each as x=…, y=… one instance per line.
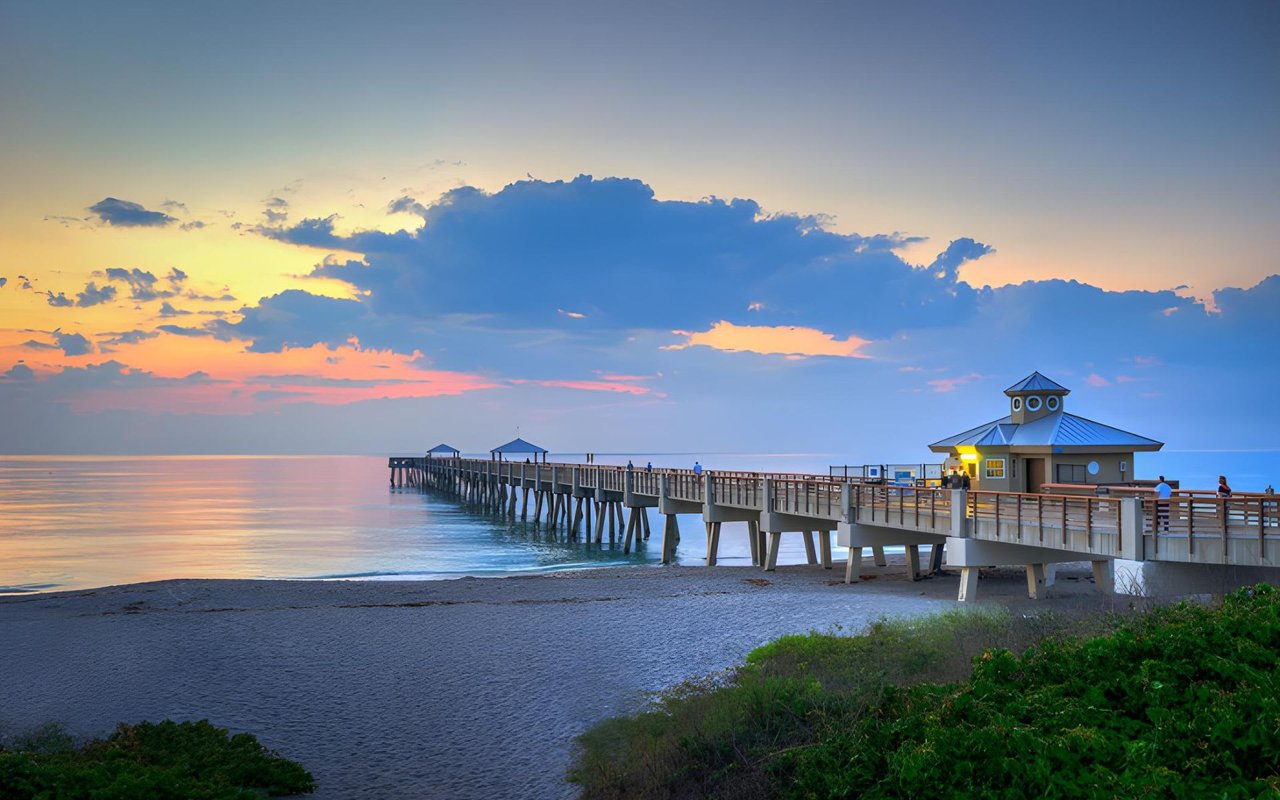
x=452, y=689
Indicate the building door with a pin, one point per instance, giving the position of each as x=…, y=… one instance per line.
x=1035, y=474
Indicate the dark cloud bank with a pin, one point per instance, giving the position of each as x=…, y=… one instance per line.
x=483, y=286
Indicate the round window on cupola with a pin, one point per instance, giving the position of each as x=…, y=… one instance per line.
x=1033, y=403
x=1017, y=404
x=1052, y=403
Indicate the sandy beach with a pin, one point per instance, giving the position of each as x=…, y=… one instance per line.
x=467, y=688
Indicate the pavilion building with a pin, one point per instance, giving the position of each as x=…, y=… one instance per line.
x=1039, y=443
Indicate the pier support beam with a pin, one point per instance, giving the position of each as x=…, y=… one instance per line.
x=670, y=538
x=713, y=542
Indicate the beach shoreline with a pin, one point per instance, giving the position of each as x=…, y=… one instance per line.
x=472, y=687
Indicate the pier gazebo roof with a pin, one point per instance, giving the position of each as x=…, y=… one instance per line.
x=518, y=447
x=443, y=449
x=1060, y=431
x=1035, y=382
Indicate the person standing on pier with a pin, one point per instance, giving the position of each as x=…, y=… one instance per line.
x=697, y=468
x=629, y=464
x=1163, y=492
x=1224, y=491
x=648, y=467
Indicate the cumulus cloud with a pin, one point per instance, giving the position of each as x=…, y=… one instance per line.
x=295, y=318
x=126, y=337
x=407, y=205
x=611, y=250
x=142, y=283
x=126, y=214
x=179, y=330
x=19, y=372
x=71, y=344
x=59, y=300
x=93, y=296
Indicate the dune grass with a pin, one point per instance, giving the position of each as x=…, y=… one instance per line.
x=178, y=760
x=1182, y=701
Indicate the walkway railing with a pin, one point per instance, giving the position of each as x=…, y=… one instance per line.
x=1212, y=530
x=819, y=498
x=903, y=507
x=1189, y=527
x=1069, y=522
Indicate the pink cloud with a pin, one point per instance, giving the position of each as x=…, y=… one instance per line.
x=943, y=385
x=1097, y=380
x=587, y=386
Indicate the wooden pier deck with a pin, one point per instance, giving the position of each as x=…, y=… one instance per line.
x=977, y=528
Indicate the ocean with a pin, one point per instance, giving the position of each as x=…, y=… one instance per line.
x=76, y=522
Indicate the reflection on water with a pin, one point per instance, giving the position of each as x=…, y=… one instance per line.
x=76, y=522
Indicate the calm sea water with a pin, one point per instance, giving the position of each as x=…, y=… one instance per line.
x=78, y=522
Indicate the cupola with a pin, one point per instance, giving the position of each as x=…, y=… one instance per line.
x=1033, y=397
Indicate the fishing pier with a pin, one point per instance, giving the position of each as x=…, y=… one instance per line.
x=1136, y=541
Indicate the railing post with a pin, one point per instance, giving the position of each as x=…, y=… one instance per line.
x=766, y=494
x=1132, y=541
x=959, y=514
x=847, y=511
x=708, y=489
x=629, y=487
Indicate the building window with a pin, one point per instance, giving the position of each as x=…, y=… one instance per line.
x=1052, y=403
x=995, y=468
x=1033, y=403
x=1017, y=404
x=1071, y=473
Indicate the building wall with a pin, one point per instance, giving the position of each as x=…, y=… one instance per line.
x=1012, y=480
x=1015, y=470
x=1108, y=467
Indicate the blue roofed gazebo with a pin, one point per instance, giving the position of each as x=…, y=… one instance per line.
x=443, y=451
x=517, y=448
x=1040, y=444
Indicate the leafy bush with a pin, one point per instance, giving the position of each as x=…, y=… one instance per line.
x=187, y=760
x=1180, y=702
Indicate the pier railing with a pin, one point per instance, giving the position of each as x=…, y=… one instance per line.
x=807, y=498
x=737, y=490
x=1069, y=522
x=903, y=507
x=1212, y=530
x=1190, y=527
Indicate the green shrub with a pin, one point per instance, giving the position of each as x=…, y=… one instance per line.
x=183, y=761
x=1180, y=702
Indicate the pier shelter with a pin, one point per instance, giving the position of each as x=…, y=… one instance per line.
x=1039, y=443
x=443, y=451
x=515, y=449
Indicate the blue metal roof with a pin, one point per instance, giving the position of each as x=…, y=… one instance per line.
x=517, y=446
x=443, y=448
x=1058, y=429
x=1035, y=382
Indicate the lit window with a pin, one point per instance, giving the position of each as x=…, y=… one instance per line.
x=995, y=468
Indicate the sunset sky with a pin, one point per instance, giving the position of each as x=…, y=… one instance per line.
x=797, y=227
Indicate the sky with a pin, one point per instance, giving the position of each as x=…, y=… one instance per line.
x=787, y=227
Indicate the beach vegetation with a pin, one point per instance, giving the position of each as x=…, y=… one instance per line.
x=178, y=760
x=1170, y=702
